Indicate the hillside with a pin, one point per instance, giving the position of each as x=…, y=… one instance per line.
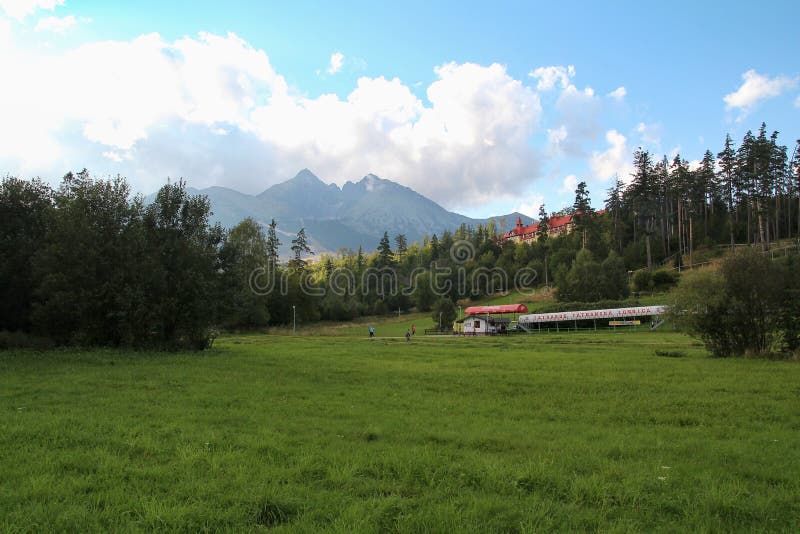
x=354, y=215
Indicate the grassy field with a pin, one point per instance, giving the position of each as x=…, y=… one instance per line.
x=573, y=432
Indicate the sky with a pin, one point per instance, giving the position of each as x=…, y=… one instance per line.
x=484, y=107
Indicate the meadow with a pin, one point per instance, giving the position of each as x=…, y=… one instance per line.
x=586, y=431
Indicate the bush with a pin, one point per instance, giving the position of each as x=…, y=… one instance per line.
x=737, y=310
x=642, y=280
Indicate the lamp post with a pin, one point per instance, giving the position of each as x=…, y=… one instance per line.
x=440, y=321
x=294, y=320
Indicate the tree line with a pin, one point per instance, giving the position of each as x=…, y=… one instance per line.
x=88, y=263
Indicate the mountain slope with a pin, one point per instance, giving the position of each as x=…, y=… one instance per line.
x=355, y=215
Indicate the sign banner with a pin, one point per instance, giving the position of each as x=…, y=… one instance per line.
x=613, y=313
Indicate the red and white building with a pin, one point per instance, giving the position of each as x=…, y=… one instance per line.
x=556, y=226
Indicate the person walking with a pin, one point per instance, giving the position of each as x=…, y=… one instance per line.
x=371, y=332
x=408, y=336
x=413, y=330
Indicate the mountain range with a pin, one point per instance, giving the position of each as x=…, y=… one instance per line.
x=357, y=214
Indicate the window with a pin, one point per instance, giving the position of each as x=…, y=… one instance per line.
x=477, y=324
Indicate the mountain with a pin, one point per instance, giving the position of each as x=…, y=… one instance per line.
x=354, y=215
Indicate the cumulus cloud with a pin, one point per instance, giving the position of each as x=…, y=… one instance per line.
x=530, y=206
x=212, y=109
x=755, y=88
x=56, y=24
x=570, y=184
x=19, y=9
x=549, y=77
x=336, y=63
x=618, y=94
x=614, y=161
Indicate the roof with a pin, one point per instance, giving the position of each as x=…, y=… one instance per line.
x=493, y=310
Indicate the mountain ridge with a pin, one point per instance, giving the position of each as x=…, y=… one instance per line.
x=355, y=214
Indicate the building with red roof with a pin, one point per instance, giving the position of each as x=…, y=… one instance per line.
x=556, y=226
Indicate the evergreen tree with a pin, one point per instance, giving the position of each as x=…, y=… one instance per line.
x=273, y=244
x=727, y=180
x=543, y=226
x=402, y=245
x=385, y=254
x=300, y=246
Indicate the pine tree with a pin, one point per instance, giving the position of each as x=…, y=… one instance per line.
x=583, y=210
x=727, y=180
x=614, y=208
x=273, y=243
x=300, y=246
x=385, y=254
x=402, y=245
x=543, y=226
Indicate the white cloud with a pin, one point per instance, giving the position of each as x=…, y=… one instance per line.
x=549, y=77
x=530, y=207
x=337, y=61
x=113, y=156
x=570, y=184
x=56, y=24
x=618, y=94
x=650, y=134
x=756, y=88
x=797, y=102
x=615, y=160
x=212, y=109
x=19, y=9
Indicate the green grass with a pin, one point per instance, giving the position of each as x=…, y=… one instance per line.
x=573, y=432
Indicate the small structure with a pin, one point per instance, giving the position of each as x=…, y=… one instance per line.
x=615, y=316
x=481, y=320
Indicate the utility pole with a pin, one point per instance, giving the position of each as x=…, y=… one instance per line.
x=294, y=320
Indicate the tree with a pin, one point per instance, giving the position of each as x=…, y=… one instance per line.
x=727, y=180
x=543, y=226
x=444, y=313
x=614, y=281
x=735, y=310
x=583, y=210
x=385, y=254
x=25, y=214
x=181, y=271
x=641, y=193
x=581, y=281
x=299, y=246
x=89, y=267
x=402, y=245
x=272, y=246
x=245, y=251
x=614, y=208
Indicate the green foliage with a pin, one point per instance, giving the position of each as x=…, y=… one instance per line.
x=660, y=280
x=736, y=310
x=444, y=313
x=244, y=255
x=25, y=212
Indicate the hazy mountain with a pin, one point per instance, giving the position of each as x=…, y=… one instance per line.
x=356, y=214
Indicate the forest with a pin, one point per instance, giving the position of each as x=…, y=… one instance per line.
x=89, y=264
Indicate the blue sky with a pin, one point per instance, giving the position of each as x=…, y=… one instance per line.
x=484, y=107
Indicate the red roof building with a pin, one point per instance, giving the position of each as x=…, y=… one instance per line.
x=557, y=225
